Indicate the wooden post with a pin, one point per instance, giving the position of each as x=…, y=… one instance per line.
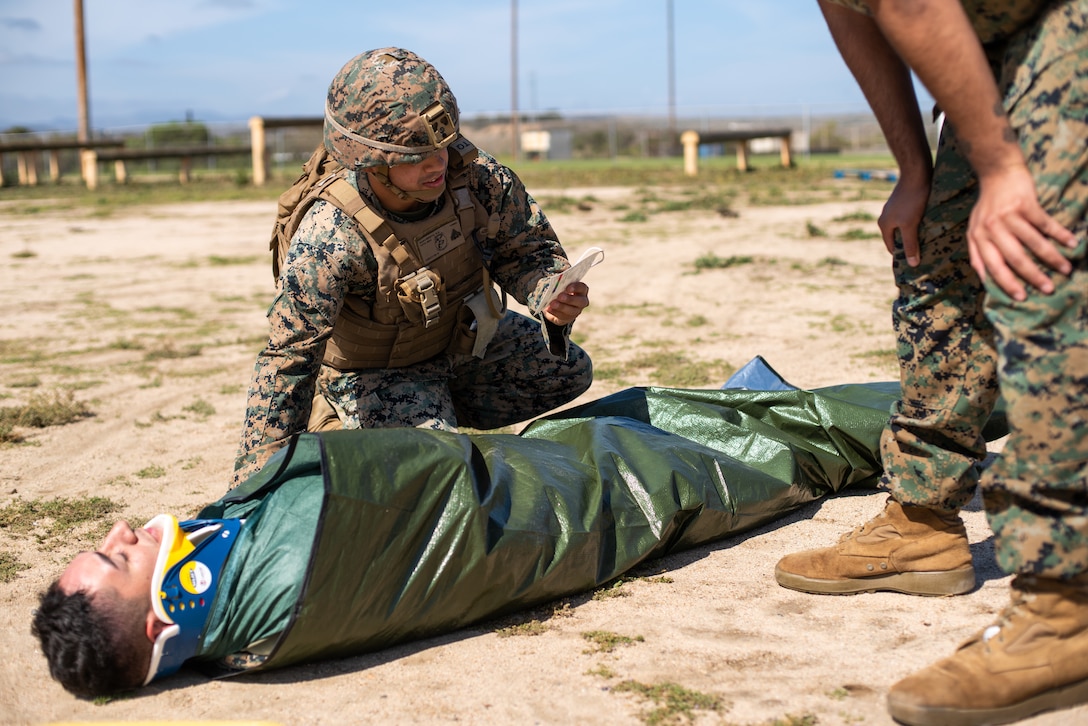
x=186, y=168
x=28, y=168
x=784, y=154
x=88, y=163
x=1, y=170
x=742, y=155
x=257, y=151
x=54, y=165
x=690, y=141
x=119, y=171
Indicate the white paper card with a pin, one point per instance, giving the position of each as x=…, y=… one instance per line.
x=558, y=283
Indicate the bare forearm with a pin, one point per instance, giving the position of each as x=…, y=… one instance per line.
x=936, y=39
x=886, y=82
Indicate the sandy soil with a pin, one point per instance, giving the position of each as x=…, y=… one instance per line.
x=153, y=316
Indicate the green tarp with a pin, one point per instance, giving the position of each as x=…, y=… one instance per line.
x=420, y=532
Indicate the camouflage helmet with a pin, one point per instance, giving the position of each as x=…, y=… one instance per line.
x=388, y=106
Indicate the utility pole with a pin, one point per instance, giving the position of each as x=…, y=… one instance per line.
x=670, y=145
x=514, y=78
x=84, y=131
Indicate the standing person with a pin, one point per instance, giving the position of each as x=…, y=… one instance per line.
x=988, y=244
x=385, y=314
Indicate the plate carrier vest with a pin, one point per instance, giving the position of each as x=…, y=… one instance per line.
x=434, y=292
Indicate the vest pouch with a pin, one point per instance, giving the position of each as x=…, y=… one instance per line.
x=422, y=296
x=464, y=333
x=477, y=322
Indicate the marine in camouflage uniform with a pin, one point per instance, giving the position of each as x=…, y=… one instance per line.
x=963, y=340
x=377, y=118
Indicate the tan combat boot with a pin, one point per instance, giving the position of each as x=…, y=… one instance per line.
x=909, y=549
x=1033, y=659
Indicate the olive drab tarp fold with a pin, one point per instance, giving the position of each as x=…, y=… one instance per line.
x=419, y=532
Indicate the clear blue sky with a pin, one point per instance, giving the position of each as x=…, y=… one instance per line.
x=226, y=60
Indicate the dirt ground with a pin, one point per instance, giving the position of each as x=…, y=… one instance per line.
x=153, y=316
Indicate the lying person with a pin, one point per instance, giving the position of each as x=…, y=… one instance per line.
x=341, y=546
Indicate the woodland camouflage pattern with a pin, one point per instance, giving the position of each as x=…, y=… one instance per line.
x=959, y=338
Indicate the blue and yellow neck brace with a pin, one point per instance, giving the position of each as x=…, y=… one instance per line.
x=191, y=556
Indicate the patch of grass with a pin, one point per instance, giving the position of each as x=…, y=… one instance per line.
x=201, y=408
x=603, y=671
x=10, y=566
x=636, y=216
x=832, y=262
x=42, y=409
x=126, y=344
x=857, y=233
x=532, y=627
x=805, y=719
x=29, y=382
x=673, y=368
x=222, y=261
x=168, y=351
x=859, y=216
x=711, y=261
x=24, y=254
x=566, y=203
x=611, y=591
x=605, y=641
x=673, y=702
x=56, y=516
x=883, y=357
x=151, y=472
x=696, y=321
x=192, y=463
x=813, y=231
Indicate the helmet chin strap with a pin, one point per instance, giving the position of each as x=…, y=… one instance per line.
x=382, y=173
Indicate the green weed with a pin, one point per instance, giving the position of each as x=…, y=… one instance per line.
x=605, y=641
x=711, y=261
x=43, y=409
x=532, y=627
x=672, y=701
x=858, y=234
x=10, y=566
x=201, y=408
x=54, y=517
x=859, y=216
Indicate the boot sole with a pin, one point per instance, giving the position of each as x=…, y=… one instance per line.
x=949, y=582
x=912, y=714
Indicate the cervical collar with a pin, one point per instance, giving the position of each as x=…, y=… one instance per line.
x=191, y=557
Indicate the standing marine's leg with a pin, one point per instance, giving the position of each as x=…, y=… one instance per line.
x=1035, y=656
x=933, y=442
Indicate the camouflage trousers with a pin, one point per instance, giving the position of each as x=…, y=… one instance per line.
x=517, y=379
x=961, y=341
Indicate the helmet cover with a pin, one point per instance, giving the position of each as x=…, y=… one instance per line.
x=386, y=107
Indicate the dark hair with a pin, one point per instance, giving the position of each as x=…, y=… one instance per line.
x=94, y=644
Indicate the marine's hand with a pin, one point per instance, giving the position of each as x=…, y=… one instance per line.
x=903, y=213
x=568, y=305
x=1010, y=234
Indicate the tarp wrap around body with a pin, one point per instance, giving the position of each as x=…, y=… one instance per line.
x=406, y=533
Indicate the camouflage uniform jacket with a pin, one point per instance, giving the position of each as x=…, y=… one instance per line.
x=329, y=259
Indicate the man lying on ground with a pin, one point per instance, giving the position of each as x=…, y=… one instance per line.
x=338, y=548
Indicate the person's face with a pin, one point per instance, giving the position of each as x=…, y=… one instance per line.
x=427, y=179
x=124, y=563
